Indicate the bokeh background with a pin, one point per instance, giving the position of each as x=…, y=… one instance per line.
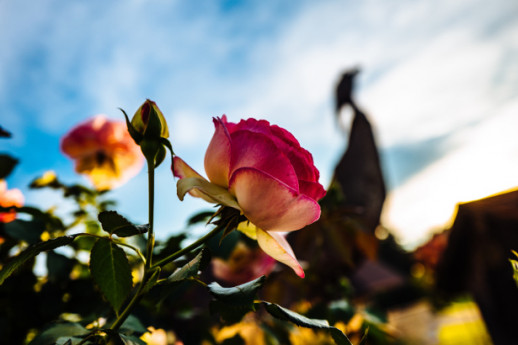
x=439, y=82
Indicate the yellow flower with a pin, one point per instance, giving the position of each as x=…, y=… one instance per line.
x=248, y=330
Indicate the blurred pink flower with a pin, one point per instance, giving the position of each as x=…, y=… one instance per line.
x=243, y=265
x=8, y=198
x=261, y=170
x=104, y=151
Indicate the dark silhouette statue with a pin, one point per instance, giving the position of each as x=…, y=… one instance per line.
x=359, y=172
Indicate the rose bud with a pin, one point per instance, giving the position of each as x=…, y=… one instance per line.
x=148, y=128
x=149, y=121
x=261, y=170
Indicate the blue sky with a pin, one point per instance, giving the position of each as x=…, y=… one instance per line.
x=439, y=81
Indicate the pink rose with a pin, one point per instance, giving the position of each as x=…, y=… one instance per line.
x=104, y=151
x=262, y=170
x=9, y=198
x=243, y=265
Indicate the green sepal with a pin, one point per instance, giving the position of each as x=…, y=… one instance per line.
x=111, y=271
x=165, y=142
x=203, y=216
x=135, y=135
x=160, y=156
x=115, y=224
x=150, y=148
x=154, y=125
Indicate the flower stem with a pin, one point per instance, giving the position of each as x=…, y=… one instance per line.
x=189, y=248
x=125, y=313
x=149, y=252
x=151, y=203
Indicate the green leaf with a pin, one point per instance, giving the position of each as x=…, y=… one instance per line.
x=48, y=179
x=68, y=341
x=234, y=302
x=285, y=314
x=7, y=164
x=230, y=313
x=59, y=266
x=131, y=340
x=115, y=224
x=59, y=331
x=191, y=268
x=25, y=230
x=237, y=295
x=363, y=340
x=514, y=264
x=132, y=326
x=111, y=271
x=31, y=252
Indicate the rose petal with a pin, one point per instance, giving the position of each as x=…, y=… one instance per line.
x=248, y=228
x=256, y=150
x=253, y=125
x=300, y=158
x=197, y=186
x=312, y=189
x=275, y=245
x=217, y=157
x=269, y=203
x=208, y=191
x=183, y=170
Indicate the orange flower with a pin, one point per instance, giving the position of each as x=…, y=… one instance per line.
x=104, y=151
x=8, y=198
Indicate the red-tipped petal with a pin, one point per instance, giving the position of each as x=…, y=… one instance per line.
x=269, y=203
x=217, y=157
x=275, y=245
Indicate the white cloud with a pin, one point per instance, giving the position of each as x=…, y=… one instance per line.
x=485, y=164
